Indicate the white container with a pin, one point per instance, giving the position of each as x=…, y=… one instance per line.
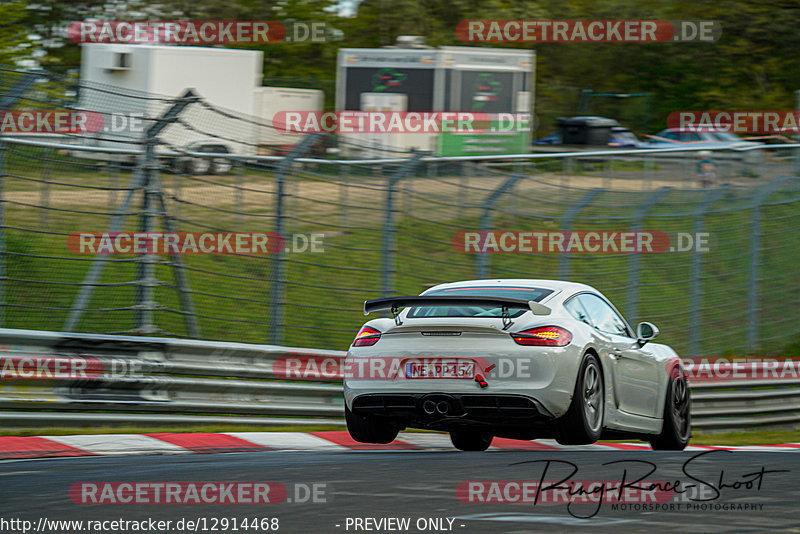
x=114, y=78
x=271, y=100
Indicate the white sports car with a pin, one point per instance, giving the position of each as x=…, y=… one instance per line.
x=520, y=359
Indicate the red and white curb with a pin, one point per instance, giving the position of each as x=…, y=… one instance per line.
x=180, y=443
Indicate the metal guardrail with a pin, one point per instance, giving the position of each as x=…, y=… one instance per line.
x=744, y=403
x=563, y=154
x=51, y=378
x=68, y=379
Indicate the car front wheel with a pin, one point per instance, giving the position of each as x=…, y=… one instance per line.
x=583, y=422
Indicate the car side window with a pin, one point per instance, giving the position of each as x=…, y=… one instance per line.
x=689, y=137
x=575, y=309
x=603, y=316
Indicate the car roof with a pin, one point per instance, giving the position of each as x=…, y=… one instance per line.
x=555, y=285
x=703, y=129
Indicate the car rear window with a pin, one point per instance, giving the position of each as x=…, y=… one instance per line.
x=523, y=293
x=727, y=136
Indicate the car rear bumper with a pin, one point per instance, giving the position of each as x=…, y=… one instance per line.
x=449, y=410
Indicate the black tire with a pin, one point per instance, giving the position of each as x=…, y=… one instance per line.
x=677, y=429
x=175, y=166
x=583, y=422
x=197, y=166
x=203, y=166
x=220, y=165
x=369, y=429
x=471, y=440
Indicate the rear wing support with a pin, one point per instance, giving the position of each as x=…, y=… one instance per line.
x=395, y=303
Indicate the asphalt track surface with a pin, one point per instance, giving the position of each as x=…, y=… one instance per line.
x=418, y=485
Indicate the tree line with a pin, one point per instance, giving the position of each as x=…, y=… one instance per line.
x=755, y=64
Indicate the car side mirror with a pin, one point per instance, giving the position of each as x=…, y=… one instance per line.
x=645, y=332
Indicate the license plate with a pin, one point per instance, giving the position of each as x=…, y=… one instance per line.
x=454, y=369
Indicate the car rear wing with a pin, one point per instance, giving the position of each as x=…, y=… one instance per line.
x=395, y=303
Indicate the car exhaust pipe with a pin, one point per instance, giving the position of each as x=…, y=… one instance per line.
x=429, y=407
x=443, y=407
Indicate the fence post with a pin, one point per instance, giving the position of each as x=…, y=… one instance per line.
x=90, y=280
x=7, y=100
x=755, y=258
x=238, y=169
x=408, y=193
x=278, y=270
x=113, y=181
x=145, y=177
x=695, y=315
x=145, y=265
x=44, y=189
x=2, y=232
x=463, y=182
x=389, y=245
x=145, y=298
x=344, y=184
x=607, y=172
x=187, y=303
x=633, y=276
x=647, y=173
x=588, y=198
x=797, y=150
x=486, y=219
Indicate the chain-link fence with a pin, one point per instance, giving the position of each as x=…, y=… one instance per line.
x=354, y=230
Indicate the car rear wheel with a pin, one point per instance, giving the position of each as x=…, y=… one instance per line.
x=471, y=440
x=369, y=429
x=198, y=166
x=676, y=431
x=583, y=422
x=203, y=166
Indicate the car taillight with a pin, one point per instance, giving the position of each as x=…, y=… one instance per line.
x=544, y=336
x=366, y=337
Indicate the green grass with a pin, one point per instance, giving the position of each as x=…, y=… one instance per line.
x=324, y=292
x=754, y=437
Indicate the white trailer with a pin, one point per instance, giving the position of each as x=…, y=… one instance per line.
x=120, y=81
x=269, y=101
x=450, y=78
